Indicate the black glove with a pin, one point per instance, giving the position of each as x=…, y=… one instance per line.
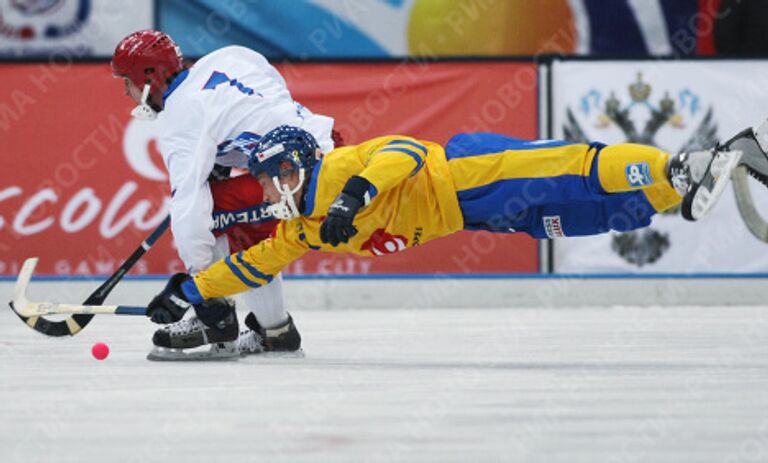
x=170, y=305
x=219, y=173
x=337, y=226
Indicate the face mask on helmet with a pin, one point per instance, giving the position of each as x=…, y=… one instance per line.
x=143, y=110
x=286, y=208
x=282, y=147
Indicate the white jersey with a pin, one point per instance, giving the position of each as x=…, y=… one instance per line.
x=214, y=113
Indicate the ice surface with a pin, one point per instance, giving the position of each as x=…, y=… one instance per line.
x=492, y=385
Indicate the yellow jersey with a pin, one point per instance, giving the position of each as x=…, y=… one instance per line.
x=421, y=191
x=413, y=201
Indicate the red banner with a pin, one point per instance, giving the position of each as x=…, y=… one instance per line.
x=81, y=185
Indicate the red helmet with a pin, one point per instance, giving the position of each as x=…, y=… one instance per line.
x=147, y=57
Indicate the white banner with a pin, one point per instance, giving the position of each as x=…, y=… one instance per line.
x=676, y=106
x=64, y=29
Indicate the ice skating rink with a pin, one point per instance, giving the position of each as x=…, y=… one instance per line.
x=482, y=385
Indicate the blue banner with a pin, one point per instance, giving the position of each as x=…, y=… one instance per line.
x=386, y=28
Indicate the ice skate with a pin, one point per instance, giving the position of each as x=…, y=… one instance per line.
x=701, y=177
x=748, y=148
x=192, y=339
x=753, y=143
x=281, y=341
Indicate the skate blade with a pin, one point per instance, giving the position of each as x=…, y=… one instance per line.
x=215, y=352
x=275, y=354
x=721, y=170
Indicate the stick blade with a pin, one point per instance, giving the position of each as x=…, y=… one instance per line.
x=37, y=323
x=20, y=289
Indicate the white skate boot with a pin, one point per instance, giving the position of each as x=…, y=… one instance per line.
x=754, y=144
x=283, y=340
x=754, y=162
x=701, y=177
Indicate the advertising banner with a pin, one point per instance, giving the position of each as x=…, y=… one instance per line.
x=74, y=192
x=61, y=30
x=386, y=28
x=677, y=106
x=432, y=101
x=82, y=183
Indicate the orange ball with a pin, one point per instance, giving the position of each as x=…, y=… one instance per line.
x=100, y=351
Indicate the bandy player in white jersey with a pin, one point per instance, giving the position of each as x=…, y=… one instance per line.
x=214, y=112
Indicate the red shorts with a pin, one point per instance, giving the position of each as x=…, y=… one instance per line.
x=239, y=212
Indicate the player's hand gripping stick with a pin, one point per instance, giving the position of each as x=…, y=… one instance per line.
x=173, y=302
x=337, y=226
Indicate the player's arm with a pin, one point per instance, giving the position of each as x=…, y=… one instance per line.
x=190, y=153
x=391, y=162
x=386, y=164
x=255, y=267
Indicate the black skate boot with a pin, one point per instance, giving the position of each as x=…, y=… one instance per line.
x=283, y=340
x=210, y=334
x=700, y=177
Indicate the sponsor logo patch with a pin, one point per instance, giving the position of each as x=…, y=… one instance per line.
x=416, y=241
x=382, y=243
x=223, y=220
x=269, y=152
x=553, y=226
x=638, y=174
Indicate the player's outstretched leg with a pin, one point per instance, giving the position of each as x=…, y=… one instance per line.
x=210, y=334
x=701, y=177
x=283, y=340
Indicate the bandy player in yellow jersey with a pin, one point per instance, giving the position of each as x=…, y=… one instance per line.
x=395, y=192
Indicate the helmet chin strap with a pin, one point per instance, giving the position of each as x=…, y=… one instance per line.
x=286, y=209
x=143, y=111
